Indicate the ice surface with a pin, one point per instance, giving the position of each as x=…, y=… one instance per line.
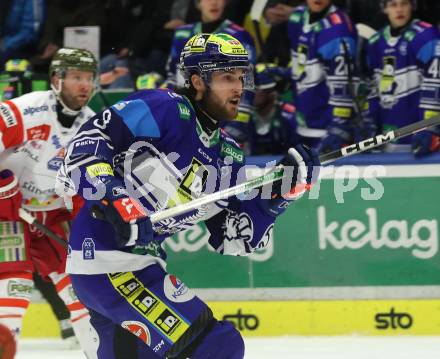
x=284, y=348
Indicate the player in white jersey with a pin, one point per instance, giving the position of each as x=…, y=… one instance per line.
x=34, y=130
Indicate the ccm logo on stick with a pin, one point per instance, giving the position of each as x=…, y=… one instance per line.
x=368, y=143
x=393, y=320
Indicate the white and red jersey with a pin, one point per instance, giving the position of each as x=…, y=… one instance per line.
x=32, y=143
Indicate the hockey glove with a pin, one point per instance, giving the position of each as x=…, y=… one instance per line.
x=10, y=196
x=425, y=142
x=129, y=220
x=340, y=134
x=301, y=170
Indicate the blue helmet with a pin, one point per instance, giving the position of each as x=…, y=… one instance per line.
x=206, y=53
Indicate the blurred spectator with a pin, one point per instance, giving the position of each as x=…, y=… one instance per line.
x=277, y=13
x=323, y=41
x=63, y=13
x=404, y=64
x=212, y=21
x=20, y=23
x=179, y=10
x=361, y=12
x=145, y=46
x=236, y=10
x=273, y=126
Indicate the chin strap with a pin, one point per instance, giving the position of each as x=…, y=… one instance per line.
x=209, y=123
x=65, y=109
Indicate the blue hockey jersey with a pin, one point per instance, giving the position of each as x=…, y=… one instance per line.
x=321, y=53
x=185, y=32
x=404, y=76
x=154, y=144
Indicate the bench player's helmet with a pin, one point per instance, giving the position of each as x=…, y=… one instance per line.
x=71, y=59
x=204, y=54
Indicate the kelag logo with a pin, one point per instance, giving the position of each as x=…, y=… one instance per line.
x=243, y=321
x=393, y=320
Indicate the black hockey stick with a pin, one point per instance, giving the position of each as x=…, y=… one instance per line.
x=277, y=173
x=352, y=90
x=30, y=219
x=381, y=139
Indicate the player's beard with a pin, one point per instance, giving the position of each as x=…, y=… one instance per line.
x=217, y=108
x=75, y=102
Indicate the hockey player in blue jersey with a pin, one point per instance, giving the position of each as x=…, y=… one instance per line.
x=323, y=45
x=404, y=64
x=213, y=21
x=154, y=150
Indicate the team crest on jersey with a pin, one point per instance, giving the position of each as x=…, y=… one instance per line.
x=139, y=329
x=238, y=231
x=403, y=48
x=175, y=290
x=238, y=227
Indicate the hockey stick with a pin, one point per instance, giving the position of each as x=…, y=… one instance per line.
x=277, y=172
x=255, y=14
x=352, y=90
x=30, y=219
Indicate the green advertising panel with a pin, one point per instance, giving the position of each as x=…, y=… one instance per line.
x=346, y=232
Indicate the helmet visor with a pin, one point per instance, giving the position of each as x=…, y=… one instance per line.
x=234, y=78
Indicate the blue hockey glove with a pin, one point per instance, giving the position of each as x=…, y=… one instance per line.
x=425, y=142
x=302, y=167
x=129, y=220
x=340, y=134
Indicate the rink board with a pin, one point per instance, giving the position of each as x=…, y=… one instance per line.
x=375, y=317
x=341, y=262
x=360, y=226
